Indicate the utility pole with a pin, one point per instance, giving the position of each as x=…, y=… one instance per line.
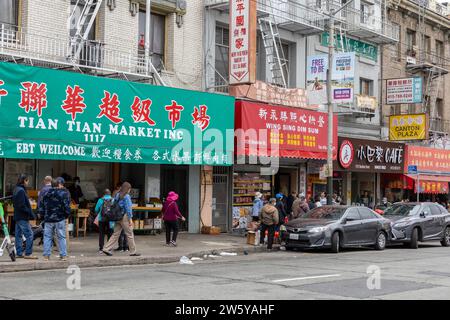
x=332, y=14
x=330, y=111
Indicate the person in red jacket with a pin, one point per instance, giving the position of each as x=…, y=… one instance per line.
x=171, y=214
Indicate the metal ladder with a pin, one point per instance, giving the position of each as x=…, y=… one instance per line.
x=84, y=24
x=274, y=51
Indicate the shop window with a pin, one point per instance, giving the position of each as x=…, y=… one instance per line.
x=14, y=168
x=366, y=87
x=157, y=38
x=222, y=48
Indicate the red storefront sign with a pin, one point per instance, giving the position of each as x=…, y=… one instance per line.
x=264, y=130
x=428, y=160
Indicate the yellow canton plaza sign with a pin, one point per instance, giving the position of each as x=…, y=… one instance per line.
x=408, y=127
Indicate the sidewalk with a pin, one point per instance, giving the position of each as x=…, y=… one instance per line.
x=84, y=252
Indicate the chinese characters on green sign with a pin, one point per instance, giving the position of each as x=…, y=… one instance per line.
x=362, y=49
x=48, y=114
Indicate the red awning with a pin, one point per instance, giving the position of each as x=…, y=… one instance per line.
x=424, y=177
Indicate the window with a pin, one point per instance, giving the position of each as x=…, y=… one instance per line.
x=435, y=211
x=366, y=214
x=222, y=59
x=439, y=52
x=344, y=11
x=353, y=214
x=410, y=42
x=426, y=44
x=365, y=12
x=9, y=16
x=13, y=168
x=157, y=38
x=366, y=87
x=426, y=210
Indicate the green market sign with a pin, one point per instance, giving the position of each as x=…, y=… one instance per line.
x=49, y=114
x=363, y=49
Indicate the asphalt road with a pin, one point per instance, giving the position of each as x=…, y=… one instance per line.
x=403, y=274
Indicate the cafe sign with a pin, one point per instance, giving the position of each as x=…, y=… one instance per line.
x=408, y=127
x=369, y=156
x=50, y=114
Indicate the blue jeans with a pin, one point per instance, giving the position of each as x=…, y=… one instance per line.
x=49, y=231
x=23, y=228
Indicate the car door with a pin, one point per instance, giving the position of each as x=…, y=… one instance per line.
x=438, y=214
x=352, y=227
x=369, y=225
x=426, y=221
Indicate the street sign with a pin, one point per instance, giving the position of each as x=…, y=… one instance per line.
x=412, y=169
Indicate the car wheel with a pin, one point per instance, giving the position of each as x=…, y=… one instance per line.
x=380, y=243
x=335, y=242
x=414, y=244
x=445, y=242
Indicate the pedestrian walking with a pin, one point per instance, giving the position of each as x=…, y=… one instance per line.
x=171, y=214
x=257, y=206
x=105, y=227
x=22, y=215
x=126, y=223
x=269, y=220
x=47, y=186
x=122, y=242
x=281, y=208
x=299, y=207
x=55, y=210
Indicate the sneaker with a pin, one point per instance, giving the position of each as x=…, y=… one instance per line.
x=167, y=245
x=108, y=253
x=63, y=258
x=46, y=258
x=173, y=243
x=31, y=257
x=135, y=254
x=101, y=252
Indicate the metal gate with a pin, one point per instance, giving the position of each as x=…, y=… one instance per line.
x=220, y=201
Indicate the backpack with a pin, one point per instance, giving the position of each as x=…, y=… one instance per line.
x=115, y=212
x=106, y=208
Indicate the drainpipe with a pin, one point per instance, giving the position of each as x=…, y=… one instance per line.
x=148, y=9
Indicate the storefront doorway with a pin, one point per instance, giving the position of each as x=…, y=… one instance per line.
x=175, y=178
x=220, y=203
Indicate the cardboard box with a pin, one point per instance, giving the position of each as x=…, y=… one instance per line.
x=253, y=238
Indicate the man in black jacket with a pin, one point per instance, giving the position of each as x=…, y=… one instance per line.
x=22, y=215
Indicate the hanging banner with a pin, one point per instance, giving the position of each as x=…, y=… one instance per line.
x=49, y=114
x=405, y=90
x=343, y=77
x=316, y=77
x=362, y=49
x=242, y=54
x=429, y=160
x=408, y=127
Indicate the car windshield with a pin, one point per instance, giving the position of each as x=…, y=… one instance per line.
x=329, y=213
x=402, y=210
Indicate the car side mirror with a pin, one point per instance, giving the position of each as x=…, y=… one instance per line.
x=344, y=221
x=422, y=215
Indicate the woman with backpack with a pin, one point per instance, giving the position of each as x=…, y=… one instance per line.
x=123, y=199
x=105, y=227
x=171, y=214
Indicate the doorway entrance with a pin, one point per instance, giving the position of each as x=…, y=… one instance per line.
x=175, y=178
x=220, y=203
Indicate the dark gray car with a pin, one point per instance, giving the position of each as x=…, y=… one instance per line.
x=413, y=222
x=336, y=227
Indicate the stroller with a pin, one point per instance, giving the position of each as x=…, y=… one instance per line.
x=7, y=243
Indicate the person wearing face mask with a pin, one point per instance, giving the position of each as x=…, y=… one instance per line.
x=75, y=190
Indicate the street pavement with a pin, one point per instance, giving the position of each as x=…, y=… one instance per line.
x=278, y=275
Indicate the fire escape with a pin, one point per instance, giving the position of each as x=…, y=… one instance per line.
x=429, y=65
x=76, y=52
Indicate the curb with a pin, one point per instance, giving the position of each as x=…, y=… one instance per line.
x=121, y=261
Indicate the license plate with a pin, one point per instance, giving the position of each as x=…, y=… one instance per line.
x=293, y=236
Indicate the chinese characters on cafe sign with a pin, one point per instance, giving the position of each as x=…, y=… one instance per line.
x=242, y=47
x=370, y=156
x=48, y=114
